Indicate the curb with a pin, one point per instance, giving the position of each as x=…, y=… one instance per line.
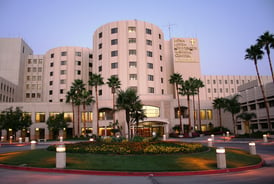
x=124, y=173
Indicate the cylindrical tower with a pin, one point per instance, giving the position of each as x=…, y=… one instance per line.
x=133, y=51
x=62, y=66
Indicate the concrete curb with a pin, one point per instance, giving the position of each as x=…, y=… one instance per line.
x=125, y=173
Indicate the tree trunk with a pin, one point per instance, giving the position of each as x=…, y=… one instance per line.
x=194, y=117
x=189, y=117
x=199, y=109
x=264, y=97
x=84, y=109
x=73, y=121
x=97, y=110
x=78, y=120
x=179, y=108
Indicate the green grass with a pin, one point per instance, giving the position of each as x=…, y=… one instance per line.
x=108, y=162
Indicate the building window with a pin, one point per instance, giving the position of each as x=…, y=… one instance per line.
x=90, y=56
x=162, y=80
x=63, y=72
x=220, y=81
x=151, y=111
x=214, y=81
x=27, y=95
x=231, y=82
x=78, y=54
x=225, y=81
x=29, y=69
x=149, y=53
x=114, y=65
x=226, y=90
x=50, y=92
x=63, y=53
x=150, y=65
x=51, y=74
x=100, y=57
x=215, y=90
x=148, y=31
x=132, y=40
x=50, y=83
x=132, y=76
x=132, y=52
x=252, y=107
x=40, y=117
x=208, y=90
x=39, y=69
x=52, y=55
x=131, y=29
x=61, y=91
x=244, y=108
x=78, y=72
x=161, y=57
x=261, y=105
x=160, y=46
x=132, y=64
x=160, y=36
x=114, y=42
x=232, y=90
x=221, y=90
x=271, y=103
x=237, y=81
x=114, y=53
x=100, y=92
x=100, y=45
x=114, y=30
x=100, y=68
x=100, y=35
x=62, y=81
x=150, y=90
x=149, y=42
x=51, y=64
x=63, y=62
x=150, y=78
x=161, y=68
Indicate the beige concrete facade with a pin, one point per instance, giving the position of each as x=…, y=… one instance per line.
x=134, y=51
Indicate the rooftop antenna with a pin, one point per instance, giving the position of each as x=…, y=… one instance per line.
x=169, y=29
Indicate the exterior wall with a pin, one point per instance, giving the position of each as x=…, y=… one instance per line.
x=13, y=55
x=252, y=101
x=62, y=66
x=7, y=91
x=33, y=79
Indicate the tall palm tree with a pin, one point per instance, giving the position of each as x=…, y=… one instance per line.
x=137, y=114
x=219, y=103
x=186, y=90
x=86, y=99
x=255, y=53
x=267, y=41
x=194, y=91
x=75, y=95
x=247, y=116
x=177, y=79
x=199, y=84
x=126, y=100
x=70, y=99
x=96, y=80
x=233, y=106
x=114, y=83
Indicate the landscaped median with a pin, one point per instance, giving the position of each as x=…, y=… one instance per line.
x=133, y=157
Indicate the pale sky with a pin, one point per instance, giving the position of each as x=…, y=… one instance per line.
x=224, y=28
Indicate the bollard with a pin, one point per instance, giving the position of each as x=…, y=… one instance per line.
x=10, y=139
x=221, y=158
x=212, y=137
x=265, y=137
x=26, y=139
x=2, y=138
x=153, y=134
x=227, y=133
x=61, y=156
x=91, y=139
x=61, y=139
x=20, y=140
x=164, y=137
x=209, y=142
x=252, y=148
x=32, y=145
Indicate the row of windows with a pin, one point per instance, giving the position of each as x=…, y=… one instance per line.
x=64, y=53
x=6, y=88
x=220, y=90
x=130, y=30
x=35, y=61
x=131, y=52
x=63, y=72
x=33, y=86
x=34, y=78
x=260, y=105
x=133, y=64
x=77, y=63
x=34, y=69
x=4, y=98
x=226, y=81
x=33, y=95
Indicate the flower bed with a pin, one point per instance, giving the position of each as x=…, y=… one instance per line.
x=158, y=147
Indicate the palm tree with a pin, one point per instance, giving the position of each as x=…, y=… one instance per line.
x=70, y=99
x=186, y=90
x=267, y=41
x=194, y=91
x=86, y=99
x=255, y=53
x=127, y=100
x=137, y=114
x=233, y=106
x=96, y=80
x=114, y=83
x=219, y=103
x=199, y=84
x=177, y=79
x=247, y=116
x=74, y=95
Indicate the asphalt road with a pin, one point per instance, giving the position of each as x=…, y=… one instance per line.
x=263, y=175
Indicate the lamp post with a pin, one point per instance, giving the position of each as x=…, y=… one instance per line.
x=221, y=158
x=61, y=156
